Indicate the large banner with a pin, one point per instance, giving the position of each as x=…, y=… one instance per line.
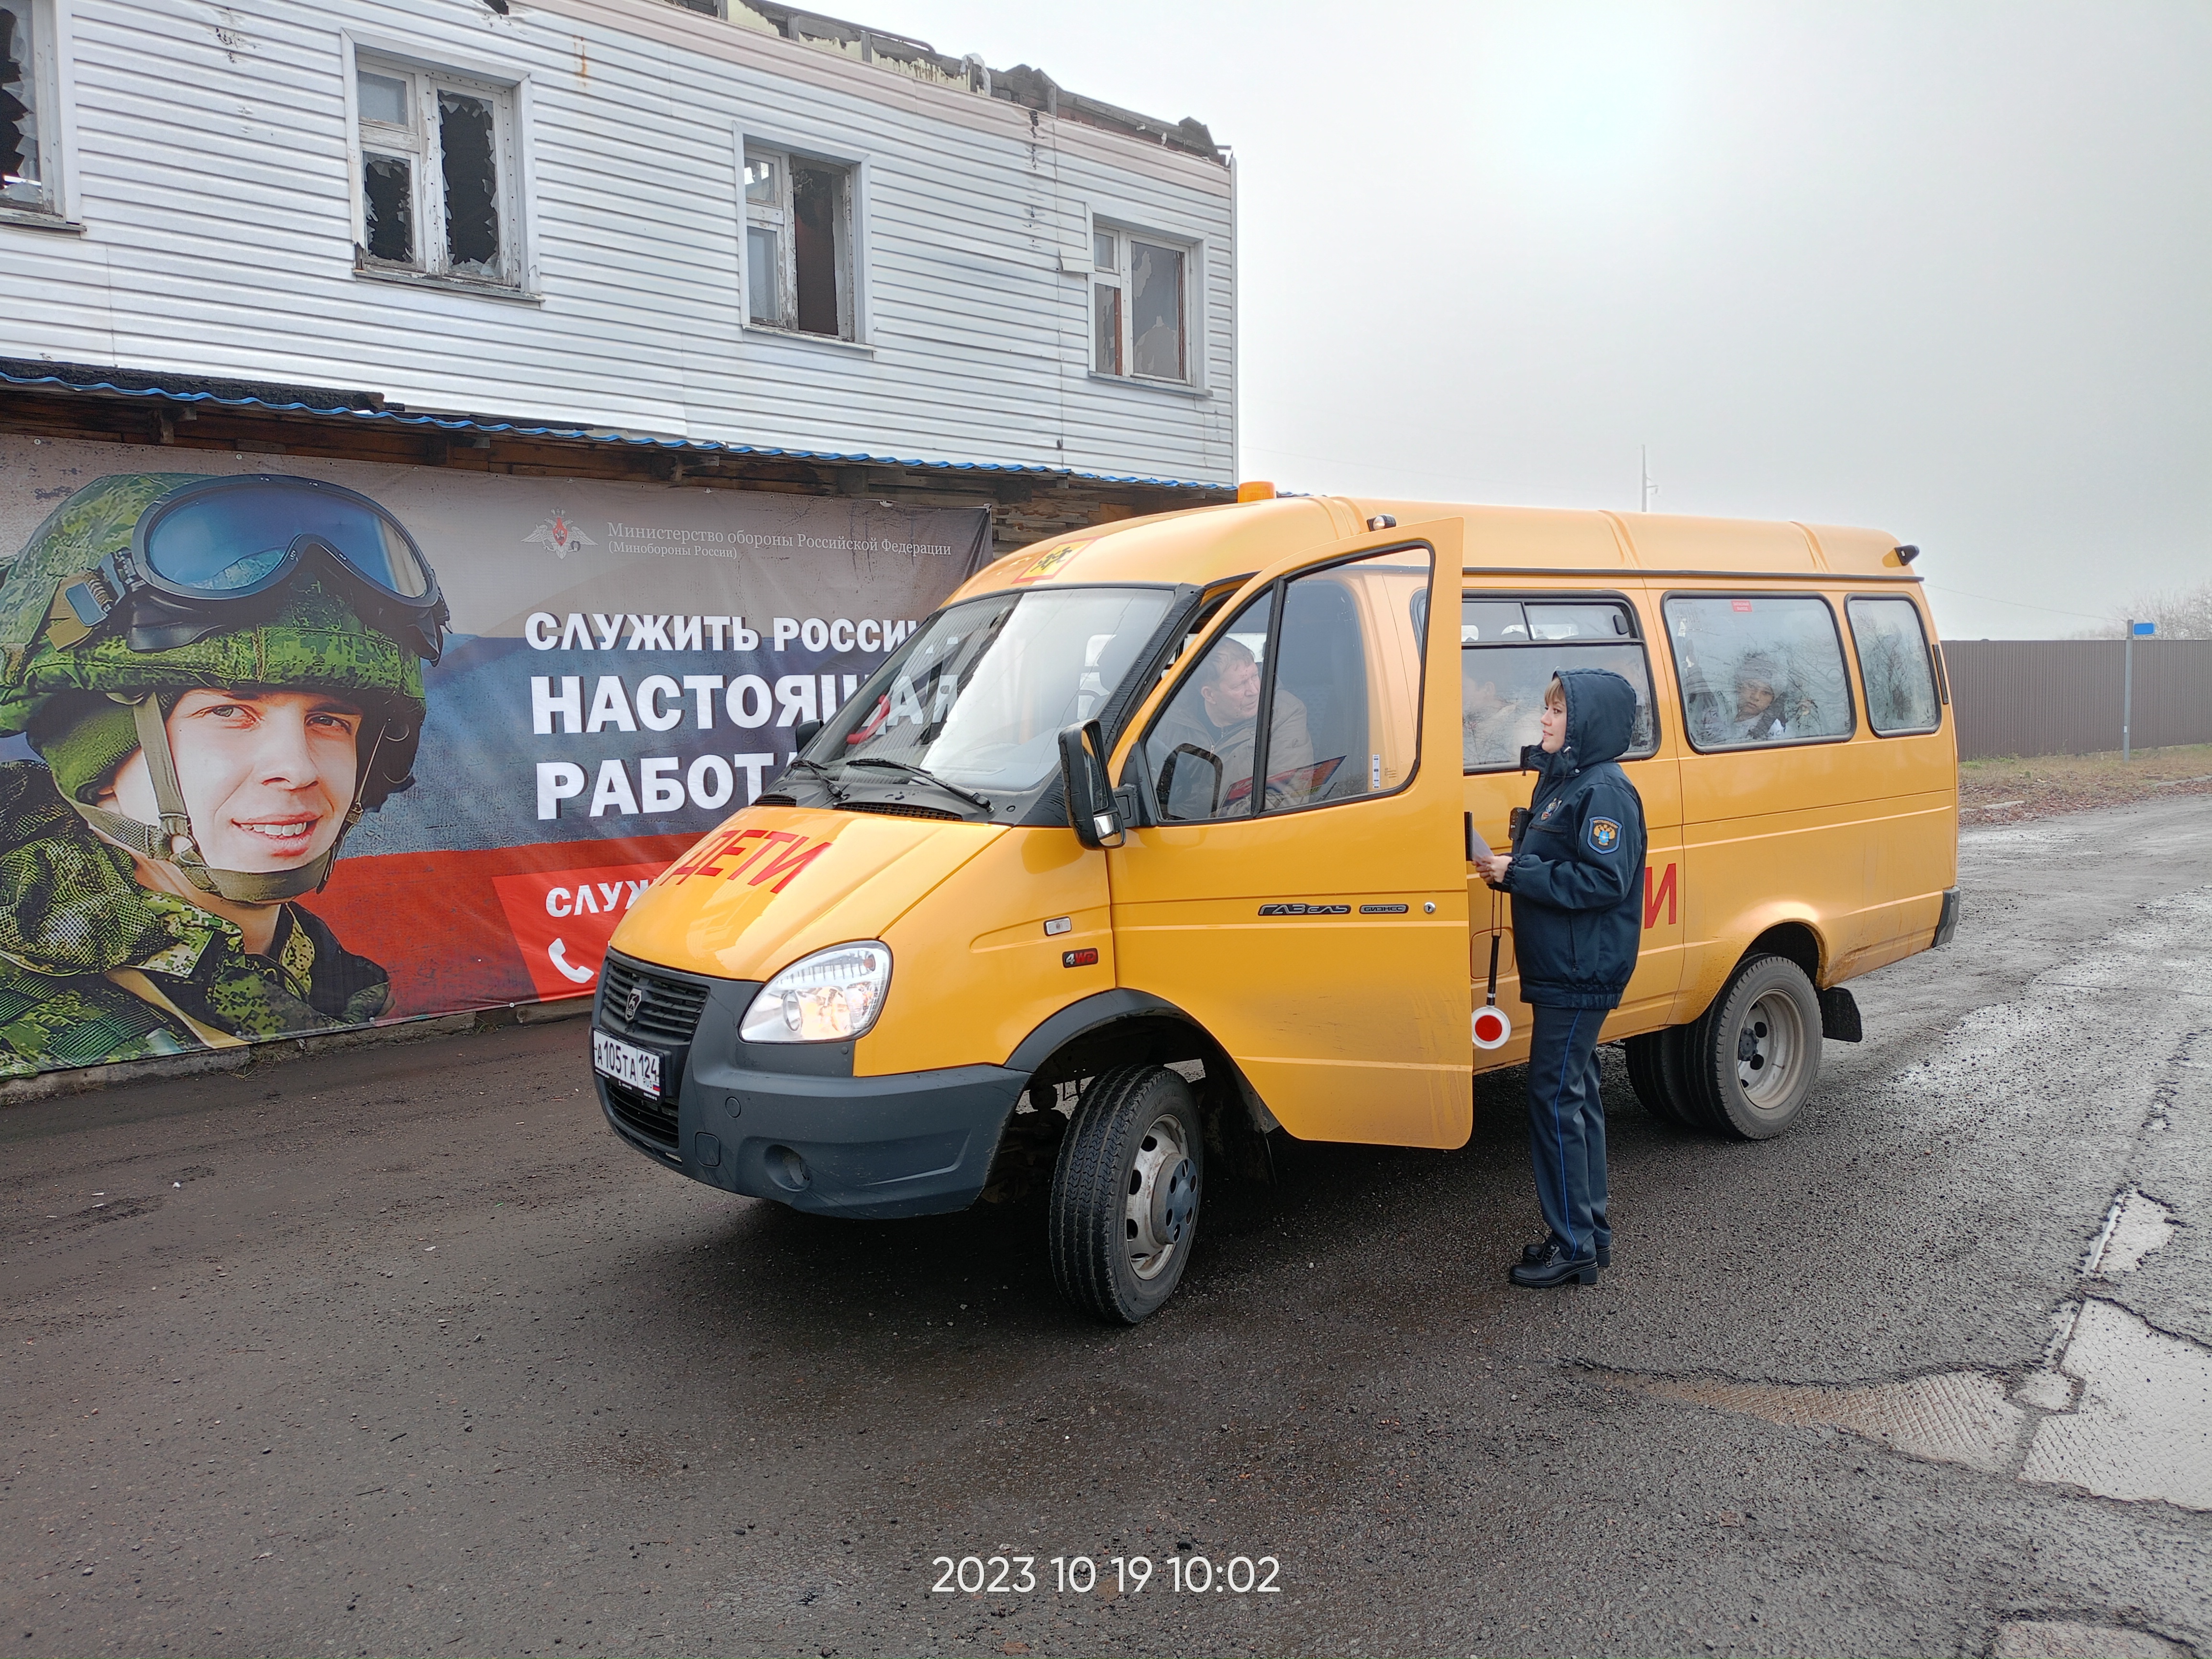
x=627, y=666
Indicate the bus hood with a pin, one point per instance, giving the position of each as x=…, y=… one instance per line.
x=772, y=883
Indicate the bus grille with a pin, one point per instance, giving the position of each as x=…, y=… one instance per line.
x=640, y=1114
x=668, y=1010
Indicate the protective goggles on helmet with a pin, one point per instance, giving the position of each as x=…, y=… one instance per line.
x=208, y=545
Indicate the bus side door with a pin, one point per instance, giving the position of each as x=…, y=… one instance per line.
x=1301, y=893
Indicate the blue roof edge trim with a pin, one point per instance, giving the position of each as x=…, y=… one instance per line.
x=704, y=446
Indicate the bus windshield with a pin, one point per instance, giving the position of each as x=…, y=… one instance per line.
x=978, y=696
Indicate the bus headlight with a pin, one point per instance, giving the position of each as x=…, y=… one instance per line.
x=830, y=997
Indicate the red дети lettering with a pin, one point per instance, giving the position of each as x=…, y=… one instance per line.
x=701, y=862
x=769, y=841
x=789, y=864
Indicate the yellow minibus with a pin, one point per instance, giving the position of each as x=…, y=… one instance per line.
x=1152, y=842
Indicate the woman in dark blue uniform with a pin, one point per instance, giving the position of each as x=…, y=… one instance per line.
x=1575, y=875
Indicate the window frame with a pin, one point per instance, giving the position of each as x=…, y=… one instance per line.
x=49, y=78
x=421, y=145
x=1682, y=690
x=780, y=216
x=1272, y=596
x=1928, y=654
x=1637, y=637
x=1117, y=278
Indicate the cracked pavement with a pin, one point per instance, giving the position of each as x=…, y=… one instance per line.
x=398, y=1351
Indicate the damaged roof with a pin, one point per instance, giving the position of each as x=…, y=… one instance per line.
x=1031, y=89
x=340, y=403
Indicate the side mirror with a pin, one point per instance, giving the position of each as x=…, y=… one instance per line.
x=1092, y=812
x=1205, y=757
x=804, y=733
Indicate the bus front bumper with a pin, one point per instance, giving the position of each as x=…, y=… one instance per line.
x=868, y=1147
x=789, y=1122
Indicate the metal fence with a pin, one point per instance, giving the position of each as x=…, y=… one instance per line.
x=2062, y=697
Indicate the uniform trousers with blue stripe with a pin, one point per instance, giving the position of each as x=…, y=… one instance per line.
x=1566, y=1127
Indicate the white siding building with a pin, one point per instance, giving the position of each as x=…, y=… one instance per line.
x=759, y=228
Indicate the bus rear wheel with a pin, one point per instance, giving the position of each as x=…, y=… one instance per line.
x=1753, y=1057
x=1125, y=1193
x=1655, y=1071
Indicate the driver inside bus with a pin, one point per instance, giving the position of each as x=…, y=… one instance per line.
x=1221, y=723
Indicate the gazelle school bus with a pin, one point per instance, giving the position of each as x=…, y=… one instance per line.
x=1157, y=840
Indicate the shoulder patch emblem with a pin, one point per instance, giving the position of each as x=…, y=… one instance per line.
x=1604, y=835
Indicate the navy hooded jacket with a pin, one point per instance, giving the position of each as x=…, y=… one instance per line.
x=1577, y=872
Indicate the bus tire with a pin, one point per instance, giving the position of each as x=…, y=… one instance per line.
x=1648, y=1073
x=1686, y=1079
x=1755, y=1054
x=1125, y=1193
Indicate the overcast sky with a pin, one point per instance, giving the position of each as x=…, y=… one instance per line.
x=1945, y=270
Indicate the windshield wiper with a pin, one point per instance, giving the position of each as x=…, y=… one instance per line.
x=819, y=771
x=920, y=775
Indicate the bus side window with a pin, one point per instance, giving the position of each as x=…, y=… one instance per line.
x=1347, y=695
x=1199, y=751
x=1900, y=681
x=1509, y=651
x=1759, y=671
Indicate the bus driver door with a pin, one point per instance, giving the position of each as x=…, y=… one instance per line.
x=1300, y=889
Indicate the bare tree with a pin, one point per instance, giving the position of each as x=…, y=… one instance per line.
x=2180, y=614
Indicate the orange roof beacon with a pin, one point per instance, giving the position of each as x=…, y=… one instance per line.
x=1157, y=839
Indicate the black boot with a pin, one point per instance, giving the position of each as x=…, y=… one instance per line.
x=1532, y=1254
x=1555, y=1266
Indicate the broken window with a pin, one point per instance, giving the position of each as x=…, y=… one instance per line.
x=1106, y=303
x=1139, y=305
x=436, y=163
x=26, y=163
x=799, y=244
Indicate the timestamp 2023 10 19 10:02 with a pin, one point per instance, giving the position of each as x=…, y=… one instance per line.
x=1129, y=1575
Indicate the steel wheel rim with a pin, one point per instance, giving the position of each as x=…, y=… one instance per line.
x=1770, y=1044
x=1160, y=1205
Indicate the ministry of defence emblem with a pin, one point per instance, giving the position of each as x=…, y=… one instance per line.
x=561, y=536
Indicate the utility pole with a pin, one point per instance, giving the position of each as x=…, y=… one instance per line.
x=1643, y=502
x=2128, y=686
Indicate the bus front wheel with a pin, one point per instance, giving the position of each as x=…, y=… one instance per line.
x=1125, y=1192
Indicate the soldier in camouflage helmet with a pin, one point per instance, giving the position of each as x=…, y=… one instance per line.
x=223, y=674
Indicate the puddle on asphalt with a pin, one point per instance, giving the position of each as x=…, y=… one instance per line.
x=2120, y=1409
x=1959, y=1416
x=2062, y=1639
x=2143, y=1428
x=2134, y=1227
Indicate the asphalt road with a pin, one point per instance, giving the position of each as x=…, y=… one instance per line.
x=399, y=1351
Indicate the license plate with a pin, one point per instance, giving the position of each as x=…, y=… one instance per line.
x=626, y=1063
